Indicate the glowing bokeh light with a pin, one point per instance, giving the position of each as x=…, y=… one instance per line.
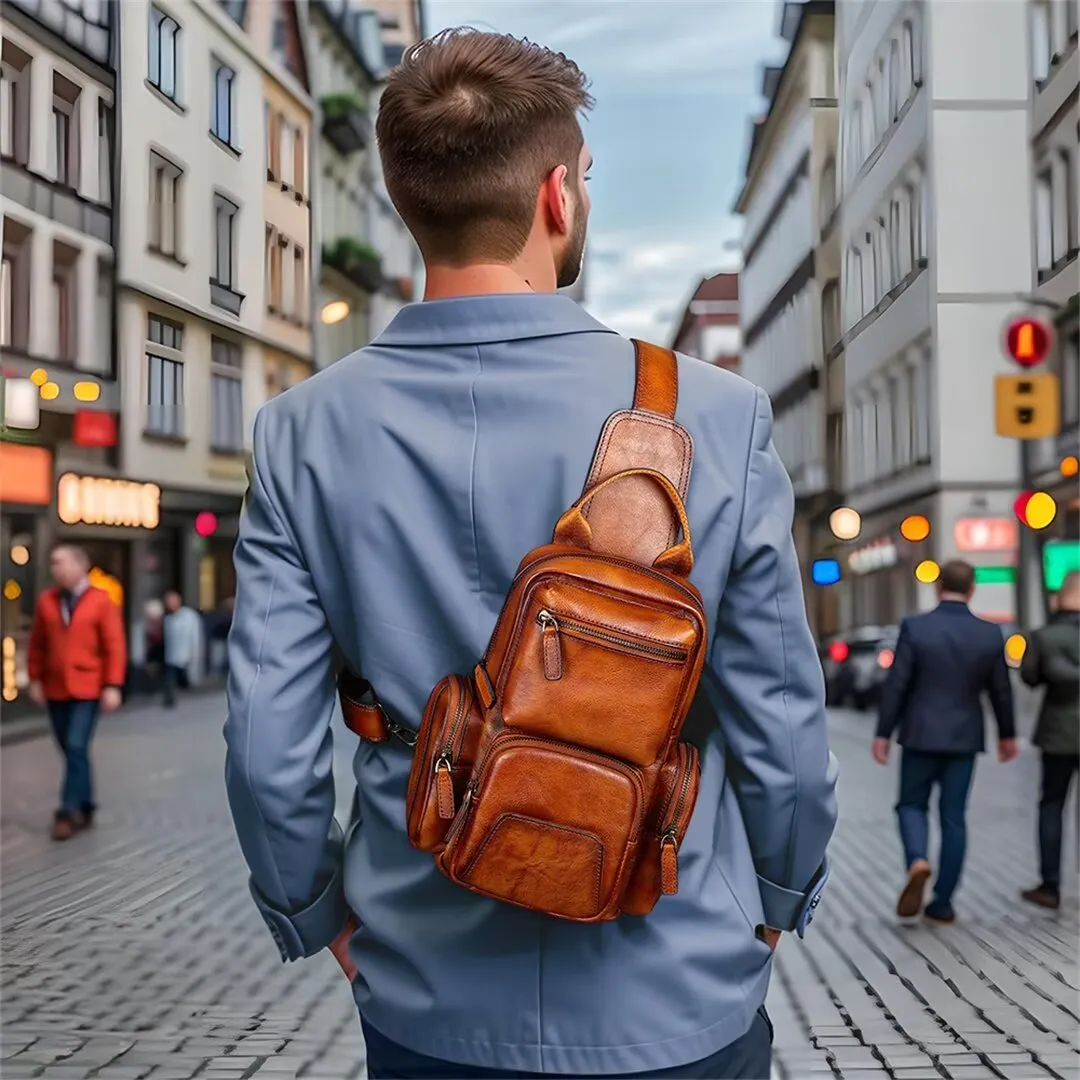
x=1015, y=647
x=206, y=523
x=915, y=527
x=927, y=572
x=1040, y=510
x=39, y=376
x=12, y=589
x=1070, y=466
x=19, y=554
x=334, y=312
x=885, y=658
x=49, y=391
x=845, y=523
x=86, y=391
x=825, y=572
x=838, y=652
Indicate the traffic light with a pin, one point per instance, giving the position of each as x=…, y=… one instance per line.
x=1027, y=406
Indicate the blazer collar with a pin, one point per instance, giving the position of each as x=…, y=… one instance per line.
x=953, y=607
x=483, y=320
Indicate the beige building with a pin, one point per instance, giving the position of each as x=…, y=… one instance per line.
x=790, y=276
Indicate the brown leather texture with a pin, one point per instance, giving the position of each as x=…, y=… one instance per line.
x=359, y=709
x=635, y=522
x=553, y=777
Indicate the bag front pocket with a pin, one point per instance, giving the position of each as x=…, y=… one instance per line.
x=442, y=764
x=603, y=671
x=547, y=826
x=656, y=872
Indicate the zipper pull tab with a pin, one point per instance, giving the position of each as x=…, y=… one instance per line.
x=444, y=788
x=551, y=647
x=669, y=863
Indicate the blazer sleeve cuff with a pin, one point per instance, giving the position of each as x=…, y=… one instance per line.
x=310, y=930
x=787, y=909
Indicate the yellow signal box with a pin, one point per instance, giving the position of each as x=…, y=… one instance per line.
x=1027, y=406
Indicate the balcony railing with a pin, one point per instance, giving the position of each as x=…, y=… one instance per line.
x=55, y=201
x=85, y=26
x=359, y=263
x=226, y=297
x=346, y=123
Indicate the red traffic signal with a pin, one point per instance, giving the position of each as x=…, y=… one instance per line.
x=1028, y=341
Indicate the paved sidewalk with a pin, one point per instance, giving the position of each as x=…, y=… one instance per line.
x=133, y=951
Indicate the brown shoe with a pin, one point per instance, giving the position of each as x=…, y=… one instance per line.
x=911, y=898
x=1044, y=898
x=63, y=828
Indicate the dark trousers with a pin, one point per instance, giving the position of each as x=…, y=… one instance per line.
x=747, y=1058
x=1057, y=774
x=919, y=773
x=173, y=677
x=73, y=725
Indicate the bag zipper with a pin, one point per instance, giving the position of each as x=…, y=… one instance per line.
x=669, y=840
x=552, y=650
x=444, y=763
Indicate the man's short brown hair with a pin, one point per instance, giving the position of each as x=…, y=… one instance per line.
x=469, y=126
x=957, y=577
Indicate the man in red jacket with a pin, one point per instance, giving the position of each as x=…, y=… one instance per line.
x=77, y=662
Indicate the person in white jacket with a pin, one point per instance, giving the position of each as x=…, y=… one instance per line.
x=183, y=646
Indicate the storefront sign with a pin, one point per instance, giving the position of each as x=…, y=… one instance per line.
x=94, y=428
x=98, y=500
x=878, y=555
x=25, y=474
x=980, y=534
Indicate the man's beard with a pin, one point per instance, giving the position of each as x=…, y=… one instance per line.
x=569, y=269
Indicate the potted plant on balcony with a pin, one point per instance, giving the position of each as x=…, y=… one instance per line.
x=356, y=260
x=345, y=122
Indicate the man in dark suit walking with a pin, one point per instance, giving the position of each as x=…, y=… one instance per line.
x=932, y=700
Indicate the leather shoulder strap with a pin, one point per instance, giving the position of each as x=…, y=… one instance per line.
x=657, y=383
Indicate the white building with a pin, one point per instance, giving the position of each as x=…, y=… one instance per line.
x=790, y=264
x=936, y=234
x=1055, y=162
x=192, y=272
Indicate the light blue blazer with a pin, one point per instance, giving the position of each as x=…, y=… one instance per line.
x=392, y=497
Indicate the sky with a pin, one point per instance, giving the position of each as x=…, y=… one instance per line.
x=675, y=83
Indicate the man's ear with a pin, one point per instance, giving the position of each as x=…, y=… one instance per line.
x=557, y=196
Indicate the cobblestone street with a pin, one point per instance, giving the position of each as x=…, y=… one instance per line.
x=134, y=951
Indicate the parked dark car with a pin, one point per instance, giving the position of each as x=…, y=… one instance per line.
x=856, y=663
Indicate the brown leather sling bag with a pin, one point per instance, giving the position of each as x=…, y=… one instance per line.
x=553, y=776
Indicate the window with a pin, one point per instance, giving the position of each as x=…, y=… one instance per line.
x=1072, y=19
x=866, y=261
x=165, y=180
x=894, y=81
x=224, y=240
x=63, y=311
x=226, y=396
x=274, y=262
x=903, y=243
x=163, y=53
x=63, y=133
x=1070, y=378
x=828, y=193
x=7, y=271
x=868, y=136
x=900, y=388
x=1069, y=203
x=279, y=34
x=299, y=285
x=15, y=102
x=286, y=154
x=1044, y=220
x=105, y=142
x=273, y=143
x=920, y=394
x=221, y=111
x=299, y=161
x=165, y=377
x=911, y=47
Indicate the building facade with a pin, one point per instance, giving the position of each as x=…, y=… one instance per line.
x=790, y=267
x=1055, y=165
x=348, y=61
x=58, y=430
x=936, y=239
x=709, y=326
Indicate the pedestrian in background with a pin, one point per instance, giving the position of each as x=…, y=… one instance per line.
x=945, y=660
x=432, y=461
x=77, y=663
x=183, y=642
x=1052, y=660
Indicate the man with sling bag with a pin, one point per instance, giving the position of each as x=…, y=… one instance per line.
x=593, y=781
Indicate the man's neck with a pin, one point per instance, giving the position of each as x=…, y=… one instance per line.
x=483, y=279
x=953, y=598
x=80, y=588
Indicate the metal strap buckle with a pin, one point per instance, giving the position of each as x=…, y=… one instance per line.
x=404, y=734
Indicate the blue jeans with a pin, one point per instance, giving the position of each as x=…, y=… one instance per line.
x=73, y=725
x=952, y=773
x=747, y=1058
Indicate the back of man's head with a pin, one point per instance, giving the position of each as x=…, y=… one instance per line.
x=1069, y=594
x=470, y=125
x=957, y=579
